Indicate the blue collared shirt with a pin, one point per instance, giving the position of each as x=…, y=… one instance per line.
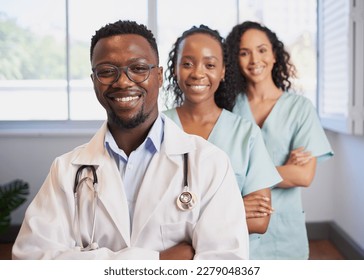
x=132, y=169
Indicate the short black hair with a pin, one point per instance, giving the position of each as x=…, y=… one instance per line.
x=124, y=27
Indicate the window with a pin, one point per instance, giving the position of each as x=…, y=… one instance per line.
x=84, y=18
x=32, y=63
x=45, y=68
x=218, y=15
x=295, y=23
x=341, y=64
x=45, y=65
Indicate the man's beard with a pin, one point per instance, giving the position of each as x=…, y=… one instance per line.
x=131, y=123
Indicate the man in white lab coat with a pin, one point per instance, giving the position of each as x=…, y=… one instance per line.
x=134, y=210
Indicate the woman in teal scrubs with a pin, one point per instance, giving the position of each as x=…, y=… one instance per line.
x=196, y=69
x=259, y=75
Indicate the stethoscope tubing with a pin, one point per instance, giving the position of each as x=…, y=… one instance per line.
x=186, y=201
x=78, y=184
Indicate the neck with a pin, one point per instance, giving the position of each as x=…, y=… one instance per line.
x=263, y=91
x=129, y=139
x=201, y=111
x=197, y=119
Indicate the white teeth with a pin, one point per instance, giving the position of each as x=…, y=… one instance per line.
x=198, y=87
x=126, y=99
x=257, y=70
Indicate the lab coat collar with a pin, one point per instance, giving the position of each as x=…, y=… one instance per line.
x=178, y=142
x=94, y=152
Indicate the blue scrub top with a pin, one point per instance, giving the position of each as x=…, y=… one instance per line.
x=242, y=141
x=292, y=123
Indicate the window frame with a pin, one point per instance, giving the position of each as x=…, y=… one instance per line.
x=49, y=127
x=83, y=127
x=66, y=127
x=353, y=122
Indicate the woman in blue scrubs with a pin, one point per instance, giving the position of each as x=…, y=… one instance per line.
x=259, y=75
x=196, y=70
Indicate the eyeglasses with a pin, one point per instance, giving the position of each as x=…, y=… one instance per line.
x=107, y=74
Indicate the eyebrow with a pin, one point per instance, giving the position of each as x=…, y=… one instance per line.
x=261, y=45
x=137, y=59
x=129, y=61
x=205, y=57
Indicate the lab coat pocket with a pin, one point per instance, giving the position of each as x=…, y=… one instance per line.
x=173, y=234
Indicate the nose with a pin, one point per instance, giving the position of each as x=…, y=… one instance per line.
x=254, y=57
x=198, y=72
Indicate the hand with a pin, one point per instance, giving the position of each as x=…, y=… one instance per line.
x=181, y=251
x=257, y=206
x=299, y=157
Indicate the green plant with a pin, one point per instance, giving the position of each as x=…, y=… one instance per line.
x=12, y=195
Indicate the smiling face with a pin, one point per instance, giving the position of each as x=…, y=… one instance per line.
x=127, y=103
x=200, y=67
x=256, y=57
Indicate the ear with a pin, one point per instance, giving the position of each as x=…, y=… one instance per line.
x=223, y=73
x=160, y=76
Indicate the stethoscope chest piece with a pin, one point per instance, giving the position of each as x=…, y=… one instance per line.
x=186, y=200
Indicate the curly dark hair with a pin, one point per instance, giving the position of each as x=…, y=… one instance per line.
x=282, y=71
x=124, y=27
x=222, y=98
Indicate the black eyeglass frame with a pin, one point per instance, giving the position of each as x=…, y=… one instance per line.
x=124, y=69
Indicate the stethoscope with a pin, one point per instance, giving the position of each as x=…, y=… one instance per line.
x=92, y=245
x=185, y=201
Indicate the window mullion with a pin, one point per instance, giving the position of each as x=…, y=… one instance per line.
x=68, y=75
x=152, y=17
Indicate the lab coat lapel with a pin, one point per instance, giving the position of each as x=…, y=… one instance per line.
x=110, y=187
x=157, y=180
x=113, y=198
x=160, y=176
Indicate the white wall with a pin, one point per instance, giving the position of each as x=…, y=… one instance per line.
x=349, y=188
x=318, y=198
x=337, y=193
x=29, y=158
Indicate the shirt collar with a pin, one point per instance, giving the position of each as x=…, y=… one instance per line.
x=156, y=133
x=153, y=141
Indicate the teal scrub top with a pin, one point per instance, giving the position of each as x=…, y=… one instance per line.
x=242, y=141
x=292, y=123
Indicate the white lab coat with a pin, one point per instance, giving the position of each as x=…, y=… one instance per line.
x=216, y=227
